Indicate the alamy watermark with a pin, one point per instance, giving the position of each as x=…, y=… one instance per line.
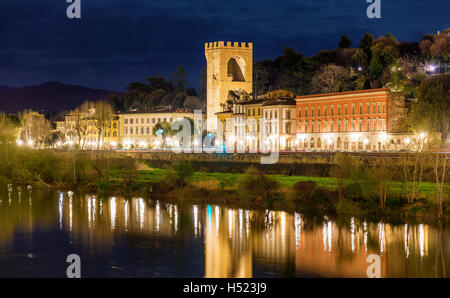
x=74, y=269
x=374, y=9
x=374, y=268
x=74, y=10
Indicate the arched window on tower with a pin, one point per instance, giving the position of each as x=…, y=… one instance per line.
x=235, y=71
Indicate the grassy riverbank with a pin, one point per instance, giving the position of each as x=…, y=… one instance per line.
x=356, y=193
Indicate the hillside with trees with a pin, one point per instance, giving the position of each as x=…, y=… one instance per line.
x=376, y=63
x=157, y=91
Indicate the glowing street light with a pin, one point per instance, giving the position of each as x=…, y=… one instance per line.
x=431, y=68
x=19, y=142
x=407, y=141
x=422, y=135
x=30, y=143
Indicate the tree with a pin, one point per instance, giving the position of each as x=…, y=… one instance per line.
x=366, y=43
x=164, y=130
x=34, y=128
x=382, y=169
x=331, y=78
x=103, y=117
x=79, y=121
x=345, y=42
x=180, y=79
x=431, y=112
x=344, y=165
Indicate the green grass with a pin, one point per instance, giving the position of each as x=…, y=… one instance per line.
x=427, y=189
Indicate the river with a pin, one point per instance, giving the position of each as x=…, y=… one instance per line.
x=136, y=237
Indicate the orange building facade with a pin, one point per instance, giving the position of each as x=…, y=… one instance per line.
x=351, y=121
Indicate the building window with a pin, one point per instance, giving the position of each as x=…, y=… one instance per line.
x=368, y=124
x=318, y=126
x=318, y=111
x=332, y=110
x=126, y=121
x=353, y=109
x=339, y=110
x=312, y=126
x=325, y=128
x=288, y=128
x=325, y=111
x=384, y=108
x=360, y=125
x=306, y=112
x=346, y=109
x=131, y=130
x=288, y=114
x=345, y=125
x=332, y=125
x=339, y=125
x=368, y=108
x=131, y=121
x=312, y=112
x=148, y=130
x=353, y=124
x=360, y=108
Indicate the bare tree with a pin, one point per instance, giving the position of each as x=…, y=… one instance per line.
x=103, y=117
x=413, y=164
x=331, y=78
x=79, y=120
x=382, y=171
x=34, y=128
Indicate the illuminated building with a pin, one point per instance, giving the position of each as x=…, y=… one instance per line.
x=136, y=127
x=366, y=120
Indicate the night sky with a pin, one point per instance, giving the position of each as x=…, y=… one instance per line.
x=118, y=41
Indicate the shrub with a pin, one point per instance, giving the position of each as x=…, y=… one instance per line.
x=255, y=187
x=182, y=173
x=313, y=199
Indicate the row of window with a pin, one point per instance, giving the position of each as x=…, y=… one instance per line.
x=147, y=120
x=371, y=108
x=138, y=130
x=316, y=126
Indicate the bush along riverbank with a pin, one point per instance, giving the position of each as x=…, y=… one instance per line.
x=355, y=188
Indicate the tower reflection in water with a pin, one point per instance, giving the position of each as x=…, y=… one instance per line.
x=235, y=242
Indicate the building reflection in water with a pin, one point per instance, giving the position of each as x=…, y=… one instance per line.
x=236, y=242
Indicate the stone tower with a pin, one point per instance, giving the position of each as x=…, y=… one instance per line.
x=229, y=67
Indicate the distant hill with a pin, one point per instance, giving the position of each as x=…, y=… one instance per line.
x=50, y=97
x=2, y=88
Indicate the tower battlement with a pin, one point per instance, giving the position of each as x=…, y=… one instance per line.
x=228, y=45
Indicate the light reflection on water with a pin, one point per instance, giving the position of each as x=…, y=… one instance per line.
x=138, y=237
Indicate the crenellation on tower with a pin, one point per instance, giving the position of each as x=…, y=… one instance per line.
x=227, y=45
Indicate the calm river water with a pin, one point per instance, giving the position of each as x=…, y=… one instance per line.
x=118, y=237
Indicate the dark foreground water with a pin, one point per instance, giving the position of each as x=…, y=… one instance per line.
x=119, y=237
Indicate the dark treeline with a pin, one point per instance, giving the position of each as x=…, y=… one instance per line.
x=157, y=91
x=376, y=63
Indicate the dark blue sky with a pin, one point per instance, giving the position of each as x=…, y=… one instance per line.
x=118, y=41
